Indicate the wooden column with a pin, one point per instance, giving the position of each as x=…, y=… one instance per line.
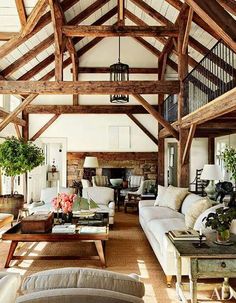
x=161, y=141
x=211, y=150
x=183, y=168
x=25, y=129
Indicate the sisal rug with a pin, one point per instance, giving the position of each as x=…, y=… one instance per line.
x=127, y=251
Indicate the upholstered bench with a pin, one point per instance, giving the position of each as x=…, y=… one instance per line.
x=5, y=219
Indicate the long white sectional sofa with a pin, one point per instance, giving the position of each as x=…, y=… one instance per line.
x=156, y=221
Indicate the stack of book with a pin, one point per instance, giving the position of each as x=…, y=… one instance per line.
x=64, y=229
x=183, y=235
x=92, y=229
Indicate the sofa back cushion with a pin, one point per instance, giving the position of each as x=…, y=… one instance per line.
x=195, y=210
x=160, y=194
x=189, y=200
x=47, y=194
x=174, y=196
x=100, y=195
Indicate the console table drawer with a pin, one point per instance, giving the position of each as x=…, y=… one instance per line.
x=216, y=265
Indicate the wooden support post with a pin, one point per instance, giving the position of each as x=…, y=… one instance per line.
x=188, y=143
x=183, y=168
x=211, y=150
x=25, y=129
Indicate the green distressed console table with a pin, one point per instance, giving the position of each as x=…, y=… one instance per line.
x=216, y=261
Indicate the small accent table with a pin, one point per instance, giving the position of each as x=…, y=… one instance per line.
x=214, y=261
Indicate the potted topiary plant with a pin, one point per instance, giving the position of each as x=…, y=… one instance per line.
x=220, y=221
x=17, y=157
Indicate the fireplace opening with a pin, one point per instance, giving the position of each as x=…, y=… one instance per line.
x=113, y=173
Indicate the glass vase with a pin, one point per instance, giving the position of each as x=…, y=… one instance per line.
x=223, y=236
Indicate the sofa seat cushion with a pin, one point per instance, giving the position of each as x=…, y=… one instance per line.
x=158, y=212
x=83, y=278
x=146, y=203
x=5, y=219
x=159, y=228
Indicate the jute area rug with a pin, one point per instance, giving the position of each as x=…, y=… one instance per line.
x=127, y=251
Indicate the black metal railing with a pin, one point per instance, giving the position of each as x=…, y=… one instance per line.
x=170, y=108
x=214, y=75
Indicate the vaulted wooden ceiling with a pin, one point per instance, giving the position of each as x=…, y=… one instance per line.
x=33, y=31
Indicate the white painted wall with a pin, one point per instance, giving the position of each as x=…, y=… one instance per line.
x=90, y=132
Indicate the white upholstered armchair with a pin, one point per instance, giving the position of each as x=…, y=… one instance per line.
x=104, y=197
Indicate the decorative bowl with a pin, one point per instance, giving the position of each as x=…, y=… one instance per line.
x=116, y=182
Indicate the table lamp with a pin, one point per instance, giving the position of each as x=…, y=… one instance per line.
x=90, y=165
x=211, y=172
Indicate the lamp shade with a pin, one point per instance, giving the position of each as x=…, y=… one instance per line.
x=91, y=162
x=211, y=172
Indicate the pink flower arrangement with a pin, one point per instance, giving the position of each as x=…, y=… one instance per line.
x=64, y=202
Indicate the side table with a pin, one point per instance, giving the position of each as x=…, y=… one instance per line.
x=213, y=261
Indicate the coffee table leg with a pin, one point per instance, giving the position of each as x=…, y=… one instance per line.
x=11, y=253
x=100, y=251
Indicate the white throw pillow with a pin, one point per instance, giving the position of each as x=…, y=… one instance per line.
x=195, y=210
x=174, y=196
x=159, y=199
x=200, y=223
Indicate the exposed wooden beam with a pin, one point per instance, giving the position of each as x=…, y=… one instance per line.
x=16, y=120
x=189, y=142
x=5, y=36
x=106, y=70
x=217, y=18
x=17, y=129
x=17, y=111
x=187, y=31
x=34, y=17
x=156, y=115
x=58, y=22
x=17, y=40
x=75, y=64
x=197, y=19
x=143, y=128
x=119, y=30
x=229, y=5
x=36, y=69
x=212, y=109
x=21, y=12
x=45, y=127
x=218, y=125
x=86, y=109
x=151, y=12
x=88, y=87
x=121, y=8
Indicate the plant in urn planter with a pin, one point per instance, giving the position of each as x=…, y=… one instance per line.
x=220, y=221
x=17, y=157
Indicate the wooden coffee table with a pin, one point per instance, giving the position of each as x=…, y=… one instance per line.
x=15, y=235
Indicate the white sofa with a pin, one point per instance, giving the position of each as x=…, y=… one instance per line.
x=9, y=285
x=156, y=221
x=104, y=197
x=47, y=194
x=72, y=285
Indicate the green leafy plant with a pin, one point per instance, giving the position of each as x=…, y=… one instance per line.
x=221, y=219
x=18, y=156
x=229, y=158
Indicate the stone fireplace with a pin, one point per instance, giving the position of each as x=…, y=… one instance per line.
x=113, y=164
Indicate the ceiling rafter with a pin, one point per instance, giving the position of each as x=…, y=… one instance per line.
x=229, y=5
x=50, y=40
x=17, y=40
x=192, y=62
x=50, y=59
x=21, y=12
x=218, y=19
x=121, y=14
x=58, y=21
